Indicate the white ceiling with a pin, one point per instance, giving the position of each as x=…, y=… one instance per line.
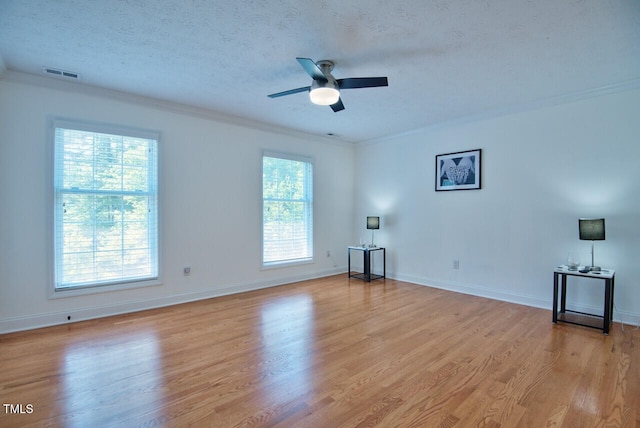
x=446, y=60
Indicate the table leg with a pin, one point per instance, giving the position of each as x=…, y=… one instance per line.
x=367, y=266
x=384, y=263
x=613, y=283
x=606, y=319
x=348, y=262
x=563, y=294
x=555, y=298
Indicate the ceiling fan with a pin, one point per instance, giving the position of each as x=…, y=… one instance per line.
x=325, y=89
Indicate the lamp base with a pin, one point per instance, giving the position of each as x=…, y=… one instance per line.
x=594, y=268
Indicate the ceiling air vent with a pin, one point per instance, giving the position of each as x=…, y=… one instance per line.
x=61, y=73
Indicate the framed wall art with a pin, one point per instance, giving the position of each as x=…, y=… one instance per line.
x=458, y=171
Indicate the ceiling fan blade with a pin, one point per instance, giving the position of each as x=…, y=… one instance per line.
x=312, y=69
x=289, y=92
x=337, y=106
x=362, y=82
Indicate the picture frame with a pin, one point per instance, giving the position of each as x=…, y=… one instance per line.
x=459, y=171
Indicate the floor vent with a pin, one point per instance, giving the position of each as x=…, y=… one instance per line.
x=61, y=73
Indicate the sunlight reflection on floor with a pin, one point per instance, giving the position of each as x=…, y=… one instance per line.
x=287, y=333
x=132, y=383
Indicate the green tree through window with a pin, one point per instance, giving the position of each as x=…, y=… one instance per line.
x=287, y=209
x=105, y=207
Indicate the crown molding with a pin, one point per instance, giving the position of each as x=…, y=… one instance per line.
x=568, y=98
x=61, y=84
x=174, y=107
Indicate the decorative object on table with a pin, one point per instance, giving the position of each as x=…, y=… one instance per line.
x=591, y=229
x=373, y=223
x=573, y=261
x=458, y=171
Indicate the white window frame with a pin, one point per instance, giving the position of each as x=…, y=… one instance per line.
x=57, y=191
x=309, y=210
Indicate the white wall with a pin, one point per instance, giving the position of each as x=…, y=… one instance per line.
x=542, y=170
x=210, y=176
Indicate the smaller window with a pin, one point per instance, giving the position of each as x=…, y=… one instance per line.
x=287, y=209
x=105, y=206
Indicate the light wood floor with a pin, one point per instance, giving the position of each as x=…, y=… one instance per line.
x=324, y=353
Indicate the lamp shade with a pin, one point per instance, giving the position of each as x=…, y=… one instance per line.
x=591, y=229
x=373, y=222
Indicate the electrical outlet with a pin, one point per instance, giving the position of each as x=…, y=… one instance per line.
x=456, y=264
x=186, y=270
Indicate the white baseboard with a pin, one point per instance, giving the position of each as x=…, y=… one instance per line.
x=10, y=325
x=628, y=318
x=50, y=319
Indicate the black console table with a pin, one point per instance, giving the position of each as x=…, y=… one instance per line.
x=367, y=275
x=580, y=318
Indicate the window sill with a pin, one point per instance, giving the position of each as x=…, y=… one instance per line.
x=96, y=289
x=288, y=263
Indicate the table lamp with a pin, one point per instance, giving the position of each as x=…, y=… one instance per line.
x=591, y=229
x=373, y=223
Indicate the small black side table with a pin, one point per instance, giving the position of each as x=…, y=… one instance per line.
x=580, y=318
x=366, y=252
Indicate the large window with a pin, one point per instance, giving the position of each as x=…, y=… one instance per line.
x=106, y=206
x=287, y=209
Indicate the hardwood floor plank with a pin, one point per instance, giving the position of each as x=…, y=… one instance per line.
x=328, y=352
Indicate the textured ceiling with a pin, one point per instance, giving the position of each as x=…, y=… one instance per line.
x=446, y=60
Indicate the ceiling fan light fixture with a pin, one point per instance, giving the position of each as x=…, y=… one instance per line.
x=325, y=89
x=324, y=93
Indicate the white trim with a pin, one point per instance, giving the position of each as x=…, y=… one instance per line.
x=519, y=299
x=477, y=290
x=172, y=106
x=287, y=263
x=295, y=158
x=288, y=156
x=573, y=97
x=60, y=293
x=83, y=88
x=106, y=128
x=10, y=325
